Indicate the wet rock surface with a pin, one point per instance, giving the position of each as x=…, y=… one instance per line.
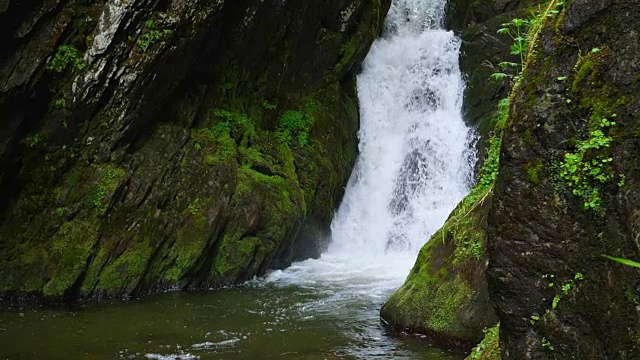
x=553, y=217
x=153, y=145
x=477, y=23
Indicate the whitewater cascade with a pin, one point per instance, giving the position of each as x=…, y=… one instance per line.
x=415, y=161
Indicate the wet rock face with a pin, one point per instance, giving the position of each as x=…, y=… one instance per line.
x=555, y=295
x=477, y=23
x=164, y=144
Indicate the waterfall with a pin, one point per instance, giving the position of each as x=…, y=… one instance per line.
x=415, y=160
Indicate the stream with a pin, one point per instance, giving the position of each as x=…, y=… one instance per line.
x=415, y=165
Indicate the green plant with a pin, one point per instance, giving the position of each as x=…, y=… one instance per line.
x=522, y=32
x=515, y=29
x=623, y=261
x=489, y=171
x=61, y=211
x=194, y=207
x=489, y=347
x=534, y=319
x=268, y=106
x=108, y=182
x=65, y=56
x=32, y=141
x=237, y=124
x=59, y=104
x=589, y=166
x=566, y=288
x=152, y=35
x=547, y=344
x=294, y=123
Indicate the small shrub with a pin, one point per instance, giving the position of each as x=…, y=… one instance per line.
x=152, y=35
x=66, y=55
x=294, y=123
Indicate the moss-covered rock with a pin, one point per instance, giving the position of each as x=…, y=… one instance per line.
x=445, y=295
x=172, y=145
x=489, y=347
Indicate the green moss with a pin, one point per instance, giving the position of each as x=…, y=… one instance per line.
x=25, y=268
x=234, y=254
x=430, y=295
x=584, y=68
x=466, y=226
x=127, y=269
x=448, y=300
x=93, y=271
x=528, y=137
x=110, y=178
x=489, y=348
x=534, y=171
x=192, y=240
x=349, y=51
x=71, y=247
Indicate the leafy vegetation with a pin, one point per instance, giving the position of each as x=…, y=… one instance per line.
x=32, y=141
x=65, y=56
x=623, y=261
x=294, y=123
x=588, y=167
x=489, y=347
x=194, y=207
x=108, y=182
x=522, y=33
x=152, y=35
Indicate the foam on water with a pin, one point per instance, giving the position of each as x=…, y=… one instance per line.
x=414, y=164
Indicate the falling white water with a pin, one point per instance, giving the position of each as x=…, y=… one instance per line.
x=415, y=160
x=415, y=151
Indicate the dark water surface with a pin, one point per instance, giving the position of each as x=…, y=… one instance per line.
x=249, y=322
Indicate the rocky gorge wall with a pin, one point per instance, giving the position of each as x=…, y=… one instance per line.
x=563, y=194
x=567, y=192
x=170, y=144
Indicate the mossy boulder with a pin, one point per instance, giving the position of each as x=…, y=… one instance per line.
x=445, y=296
x=172, y=145
x=559, y=203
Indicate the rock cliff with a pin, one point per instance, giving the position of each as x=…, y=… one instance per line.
x=568, y=191
x=172, y=144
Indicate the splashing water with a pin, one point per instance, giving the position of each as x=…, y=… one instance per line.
x=415, y=155
x=415, y=161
